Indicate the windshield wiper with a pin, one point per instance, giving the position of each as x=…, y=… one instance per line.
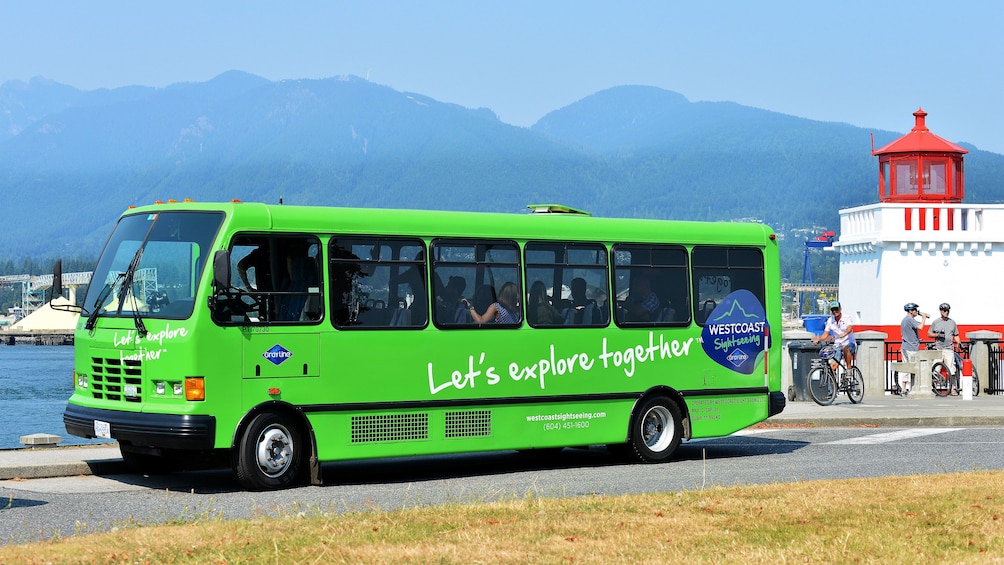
x=100, y=302
x=126, y=288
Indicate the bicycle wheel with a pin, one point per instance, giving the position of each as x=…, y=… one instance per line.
x=941, y=379
x=822, y=386
x=855, y=385
x=976, y=383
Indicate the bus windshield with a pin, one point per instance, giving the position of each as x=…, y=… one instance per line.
x=151, y=266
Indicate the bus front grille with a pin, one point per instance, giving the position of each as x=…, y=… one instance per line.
x=469, y=423
x=116, y=379
x=390, y=427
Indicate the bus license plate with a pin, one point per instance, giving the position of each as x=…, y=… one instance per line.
x=102, y=429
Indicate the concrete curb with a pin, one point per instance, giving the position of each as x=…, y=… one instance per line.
x=887, y=422
x=63, y=469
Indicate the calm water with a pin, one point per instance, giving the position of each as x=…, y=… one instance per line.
x=34, y=385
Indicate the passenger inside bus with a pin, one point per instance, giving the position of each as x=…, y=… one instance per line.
x=581, y=310
x=257, y=261
x=448, y=304
x=411, y=281
x=642, y=302
x=539, y=310
x=300, y=274
x=484, y=297
x=504, y=311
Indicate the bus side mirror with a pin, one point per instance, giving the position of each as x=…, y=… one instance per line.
x=57, y=280
x=221, y=269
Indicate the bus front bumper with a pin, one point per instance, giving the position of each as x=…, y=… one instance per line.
x=169, y=431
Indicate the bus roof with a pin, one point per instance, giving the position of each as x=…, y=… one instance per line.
x=576, y=226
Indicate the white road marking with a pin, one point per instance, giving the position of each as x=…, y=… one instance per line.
x=889, y=437
x=753, y=432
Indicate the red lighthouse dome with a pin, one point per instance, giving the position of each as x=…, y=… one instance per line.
x=920, y=167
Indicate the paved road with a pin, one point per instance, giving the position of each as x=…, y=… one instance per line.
x=42, y=508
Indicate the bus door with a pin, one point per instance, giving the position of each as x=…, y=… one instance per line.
x=281, y=354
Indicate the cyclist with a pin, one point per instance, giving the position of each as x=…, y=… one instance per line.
x=946, y=338
x=909, y=329
x=842, y=331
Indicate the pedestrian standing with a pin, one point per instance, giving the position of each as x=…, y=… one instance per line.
x=910, y=330
x=946, y=337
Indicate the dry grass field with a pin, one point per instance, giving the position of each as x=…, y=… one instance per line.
x=918, y=519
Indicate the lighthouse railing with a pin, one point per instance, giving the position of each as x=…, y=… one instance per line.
x=922, y=221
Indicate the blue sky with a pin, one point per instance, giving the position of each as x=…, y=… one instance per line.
x=865, y=62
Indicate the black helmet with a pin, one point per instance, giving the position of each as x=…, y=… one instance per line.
x=944, y=306
x=910, y=306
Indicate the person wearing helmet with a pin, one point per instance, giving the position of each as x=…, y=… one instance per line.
x=910, y=330
x=946, y=337
x=841, y=331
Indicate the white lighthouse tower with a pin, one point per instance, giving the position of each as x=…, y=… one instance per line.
x=920, y=243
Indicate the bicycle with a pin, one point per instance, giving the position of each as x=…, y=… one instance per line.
x=825, y=385
x=943, y=381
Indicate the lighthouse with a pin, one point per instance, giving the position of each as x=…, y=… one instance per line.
x=921, y=242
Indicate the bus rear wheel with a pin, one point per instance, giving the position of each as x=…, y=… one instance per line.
x=271, y=453
x=656, y=430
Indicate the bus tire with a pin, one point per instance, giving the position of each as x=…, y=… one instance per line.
x=656, y=430
x=271, y=453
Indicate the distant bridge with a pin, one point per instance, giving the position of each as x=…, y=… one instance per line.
x=813, y=289
x=33, y=288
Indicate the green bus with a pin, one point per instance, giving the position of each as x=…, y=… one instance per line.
x=280, y=337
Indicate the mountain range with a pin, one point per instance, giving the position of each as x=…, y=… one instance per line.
x=71, y=161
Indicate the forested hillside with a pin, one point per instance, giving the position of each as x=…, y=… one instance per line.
x=72, y=161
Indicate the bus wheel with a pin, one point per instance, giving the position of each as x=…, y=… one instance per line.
x=270, y=454
x=656, y=430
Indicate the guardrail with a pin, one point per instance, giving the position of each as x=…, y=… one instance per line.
x=992, y=370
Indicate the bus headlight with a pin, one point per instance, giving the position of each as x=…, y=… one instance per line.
x=195, y=388
x=161, y=387
x=81, y=379
x=178, y=390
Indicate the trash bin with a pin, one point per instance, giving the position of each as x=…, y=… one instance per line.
x=802, y=352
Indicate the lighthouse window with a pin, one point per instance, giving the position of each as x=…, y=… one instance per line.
x=884, y=180
x=906, y=179
x=934, y=178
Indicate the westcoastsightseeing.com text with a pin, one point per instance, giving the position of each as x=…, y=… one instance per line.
x=561, y=417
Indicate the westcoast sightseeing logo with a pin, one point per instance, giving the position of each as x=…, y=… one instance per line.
x=277, y=354
x=735, y=332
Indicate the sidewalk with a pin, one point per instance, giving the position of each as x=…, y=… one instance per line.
x=877, y=411
x=894, y=411
x=60, y=461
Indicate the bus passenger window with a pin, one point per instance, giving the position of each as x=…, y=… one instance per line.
x=719, y=271
x=378, y=282
x=568, y=284
x=651, y=285
x=482, y=287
